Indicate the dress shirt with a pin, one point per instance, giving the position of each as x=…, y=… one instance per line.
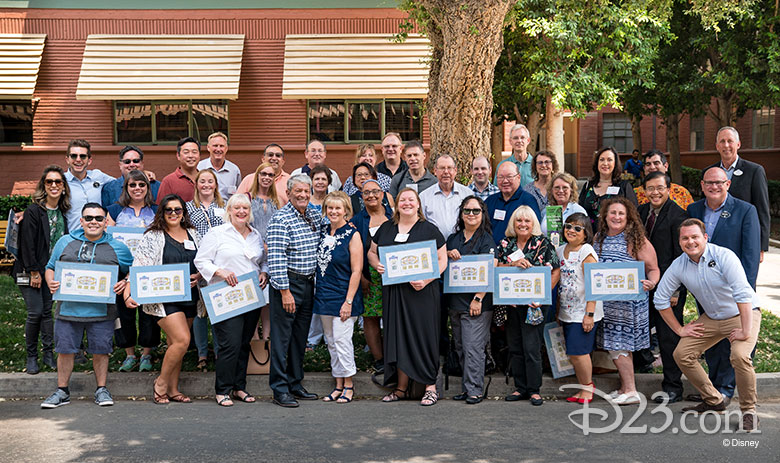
x=442, y=210
x=113, y=190
x=280, y=183
x=711, y=216
x=730, y=170
x=224, y=248
x=292, y=243
x=177, y=182
x=87, y=190
x=677, y=193
x=383, y=180
x=490, y=189
x=405, y=179
x=526, y=176
x=718, y=282
x=335, y=181
x=228, y=177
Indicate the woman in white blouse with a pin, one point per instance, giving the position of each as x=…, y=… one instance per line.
x=226, y=253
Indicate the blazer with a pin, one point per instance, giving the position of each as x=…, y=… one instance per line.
x=34, y=239
x=751, y=186
x=737, y=229
x=665, y=236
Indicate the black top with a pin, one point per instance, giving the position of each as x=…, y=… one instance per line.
x=34, y=236
x=665, y=236
x=480, y=243
x=175, y=253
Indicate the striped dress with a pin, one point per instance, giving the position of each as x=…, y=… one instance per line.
x=626, y=324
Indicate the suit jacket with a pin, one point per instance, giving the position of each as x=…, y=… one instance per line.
x=751, y=186
x=737, y=229
x=665, y=236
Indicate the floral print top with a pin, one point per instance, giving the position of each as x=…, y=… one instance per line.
x=538, y=250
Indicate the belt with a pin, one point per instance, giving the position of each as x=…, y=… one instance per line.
x=300, y=276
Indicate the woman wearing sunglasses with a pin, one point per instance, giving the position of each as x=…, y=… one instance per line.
x=44, y=223
x=135, y=208
x=171, y=239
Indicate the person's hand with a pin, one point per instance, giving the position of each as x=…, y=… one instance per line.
x=534, y=305
x=35, y=280
x=228, y=276
x=120, y=286
x=475, y=308
x=345, y=312
x=130, y=303
x=673, y=301
x=18, y=216
x=263, y=279
x=587, y=324
x=150, y=175
x=648, y=285
x=380, y=269
x=522, y=263
x=288, y=301
x=738, y=335
x=693, y=329
x=419, y=284
x=54, y=286
x=194, y=279
x=453, y=254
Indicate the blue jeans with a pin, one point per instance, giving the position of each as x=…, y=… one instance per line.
x=200, y=329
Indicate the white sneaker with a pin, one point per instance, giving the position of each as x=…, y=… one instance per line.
x=614, y=394
x=626, y=399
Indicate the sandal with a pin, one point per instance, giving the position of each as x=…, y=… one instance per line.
x=202, y=365
x=246, y=398
x=344, y=399
x=181, y=398
x=330, y=398
x=224, y=401
x=393, y=397
x=429, y=398
x=159, y=399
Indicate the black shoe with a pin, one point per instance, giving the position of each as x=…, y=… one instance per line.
x=32, y=366
x=719, y=407
x=48, y=360
x=673, y=397
x=379, y=367
x=303, y=394
x=515, y=397
x=461, y=396
x=473, y=399
x=693, y=397
x=536, y=402
x=285, y=400
x=80, y=358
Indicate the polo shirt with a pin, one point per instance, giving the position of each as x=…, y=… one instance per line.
x=113, y=190
x=228, y=177
x=87, y=190
x=178, y=183
x=496, y=203
x=404, y=180
x=526, y=176
x=442, y=210
x=280, y=184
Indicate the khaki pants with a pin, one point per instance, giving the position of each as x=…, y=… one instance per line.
x=690, y=349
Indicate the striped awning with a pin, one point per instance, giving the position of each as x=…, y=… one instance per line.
x=144, y=67
x=20, y=60
x=355, y=66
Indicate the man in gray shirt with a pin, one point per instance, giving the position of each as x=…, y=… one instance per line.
x=416, y=176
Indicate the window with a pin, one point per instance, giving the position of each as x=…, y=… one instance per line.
x=16, y=118
x=763, y=127
x=355, y=121
x=616, y=132
x=697, y=133
x=172, y=121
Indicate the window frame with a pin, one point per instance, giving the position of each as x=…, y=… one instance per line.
x=382, y=122
x=694, y=121
x=756, y=126
x=613, y=119
x=154, y=103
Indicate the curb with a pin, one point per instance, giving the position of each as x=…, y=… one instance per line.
x=139, y=385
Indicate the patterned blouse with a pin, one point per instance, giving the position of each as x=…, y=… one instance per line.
x=538, y=250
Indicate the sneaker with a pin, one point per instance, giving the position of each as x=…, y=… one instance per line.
x=103, y=397
x=631, y=398
x=80, y=358
x=129, y=363
x=58, y=399
x=146, y=363
x=750, y=422
x=705, y=407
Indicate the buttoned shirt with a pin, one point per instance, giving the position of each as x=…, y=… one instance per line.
x=280, y=183
x=501, y=210
x=526, y=176
x=730, y=170
x=86, y=190
x=490, y=189
x=205, y=218
x=335, y=181
x=228, y=177
x=292, y=243
x=442, y=209
x=383, y=180
x=405, y=180
x=717, y=281
x=711, y=216
x=177, y=182
x=113, y=190
x=225, y=248
x=677, y=193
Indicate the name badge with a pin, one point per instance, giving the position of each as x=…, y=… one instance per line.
x=413, y=186
x=515, y=256
x=738, y=172
x=401, y=237
x=189, y=245
x=372, y=230
x=219, y=212
x=613, y=190
x=499, y=214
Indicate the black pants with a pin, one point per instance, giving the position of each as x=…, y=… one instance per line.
x=39, y=320
x=234, y=336
x=288, y=335
x=148, y=333
x=667, y=343
x=525, y=350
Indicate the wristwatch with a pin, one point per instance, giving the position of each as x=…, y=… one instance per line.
x=477, y=298
x=348, y=301
x=590, y=314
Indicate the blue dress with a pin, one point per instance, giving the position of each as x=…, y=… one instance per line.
x=333, y=272
x=626, y=324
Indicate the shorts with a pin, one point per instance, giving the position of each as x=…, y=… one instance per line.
x=189, y=310
x=68, y=336
x=578, y=342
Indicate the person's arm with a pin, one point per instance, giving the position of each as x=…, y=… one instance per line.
x=628, y=192
x=652, y=272
x=53, y=285
x=760, y=198
x=356, y=266
x=751, y=245
x=30, y=237
x=206, y=256
x=373, y=258
x=746, y=320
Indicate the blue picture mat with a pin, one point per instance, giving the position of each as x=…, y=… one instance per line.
x=556, y=351
x=545, y=273
x=387, y=252
x=183, y=270
x=487, y=287
x=136, y=232
x=593, y=270
x=61, y=267
x=207, y=291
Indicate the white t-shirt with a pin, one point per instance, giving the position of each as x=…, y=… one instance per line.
x=572, y=287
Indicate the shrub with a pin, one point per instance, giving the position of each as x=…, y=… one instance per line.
x=16, y=202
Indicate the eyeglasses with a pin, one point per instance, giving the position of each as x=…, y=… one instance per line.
x=273, y=154
x=75, y=156
x=266, y=174
x=136, y=185
x=174, y=210
x=476, y=211
x=544, y=163
x=502, y=178
x=576, y=228
x=369, y=193
x=130, y=161
x=53, y=181
x=96, y=218
x=659, y=189
x=715, y=182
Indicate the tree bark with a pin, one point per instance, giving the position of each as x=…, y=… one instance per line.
x=554, y=133
x=673, y=145
x=496, y=140
x=466, y=39
x=724, y=112
x=534, y=125
x=636, y=132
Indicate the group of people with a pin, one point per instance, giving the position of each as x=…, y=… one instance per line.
x=317, y=243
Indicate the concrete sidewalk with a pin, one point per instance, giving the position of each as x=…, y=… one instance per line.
x=768, y=282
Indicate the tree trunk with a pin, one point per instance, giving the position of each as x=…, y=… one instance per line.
x=496, y=140
x=554, y=134
x=724, y=112
x=636, y=132
x=534, y=125
x=466, y=39
x=673, y=145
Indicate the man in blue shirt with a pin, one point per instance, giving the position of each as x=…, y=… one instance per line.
x=86, y=186
x=731, y=311
x=634, y=165
x=510, y=196
x=130, y=158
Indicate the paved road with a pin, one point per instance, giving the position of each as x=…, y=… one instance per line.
x=768, y=283
x=365, y=431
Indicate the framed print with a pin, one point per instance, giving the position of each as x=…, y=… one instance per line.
x=224, y=301
x=160, y=283
x=514, y=285
x=614, y=281
x=469, y=274
x=409, y=262
x=11, y=240
x=556, y=351
x=85, y=282
x=554, y=219
x=130, y=236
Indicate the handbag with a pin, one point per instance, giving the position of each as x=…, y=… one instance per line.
x=259, y=362
x=534, y=316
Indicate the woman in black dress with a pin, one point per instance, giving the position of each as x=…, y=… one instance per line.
x=606, y=183
x=411, y=310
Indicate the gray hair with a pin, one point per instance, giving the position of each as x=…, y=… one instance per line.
x=518, y=127
x=728, y=127
x=445, y=156
x=238, y=200
x=299, y=178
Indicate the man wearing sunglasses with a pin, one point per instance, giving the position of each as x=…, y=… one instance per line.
x=88, y=244
x=130, y=158
x=86, y=186
x=272, y=154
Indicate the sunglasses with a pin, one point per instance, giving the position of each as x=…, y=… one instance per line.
x=136, y=185
x=96, y=218
x=130, y=161
x=266, y=174
x=78, y=156
x=174, y=210
x=53, y=181
x=272, y=154
x=576, y=228
x=476, y=211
